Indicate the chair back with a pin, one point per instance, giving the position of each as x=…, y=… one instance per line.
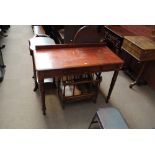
x=88, y=34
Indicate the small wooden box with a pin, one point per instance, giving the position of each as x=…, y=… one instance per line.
x=140, y=47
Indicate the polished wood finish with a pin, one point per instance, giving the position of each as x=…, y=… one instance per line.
x=74, y=58
x=57, y=61
x=140, y=47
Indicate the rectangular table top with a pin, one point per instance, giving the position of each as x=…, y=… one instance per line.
x=74, y=57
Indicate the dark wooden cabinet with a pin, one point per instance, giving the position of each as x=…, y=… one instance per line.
x=113, y=40
x=114, y=35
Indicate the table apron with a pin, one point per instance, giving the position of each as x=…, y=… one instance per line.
x=76, y=71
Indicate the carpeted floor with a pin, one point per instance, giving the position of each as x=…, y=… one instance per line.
x=20, y=107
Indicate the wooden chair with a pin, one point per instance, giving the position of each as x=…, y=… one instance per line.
x=39, y=31
x=55, y=32
x=69, y=32
x=88, y=34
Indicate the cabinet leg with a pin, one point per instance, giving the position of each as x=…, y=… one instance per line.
x=138, y=77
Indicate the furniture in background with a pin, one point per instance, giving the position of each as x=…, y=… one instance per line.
x=88, y=34
x=60, y=33
x=75, y=88
x=114, y=35
x=65, y=34
x=69, y=32
x=140, y=48
x=74, y=60
x=40, y=38
x=39, y=31
x=3, y=30
x=55, y=32
x=108, y=118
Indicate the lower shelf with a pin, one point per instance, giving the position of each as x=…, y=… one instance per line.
x=77, y=88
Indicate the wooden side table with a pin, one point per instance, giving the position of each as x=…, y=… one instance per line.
x=74, y=60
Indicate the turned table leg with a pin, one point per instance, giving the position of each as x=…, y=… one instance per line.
x=42, y=94
x=112, y=85
x=34, y=74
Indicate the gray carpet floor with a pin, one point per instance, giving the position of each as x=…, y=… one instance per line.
x=20, y=107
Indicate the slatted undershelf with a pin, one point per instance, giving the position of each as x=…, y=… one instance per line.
x=77, y=88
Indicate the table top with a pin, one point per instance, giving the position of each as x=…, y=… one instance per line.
x=74, y=57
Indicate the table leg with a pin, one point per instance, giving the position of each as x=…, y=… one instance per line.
x=42, y=94
x=139, y=75
x=99, y=78
x=112, y=84
x=34, y=74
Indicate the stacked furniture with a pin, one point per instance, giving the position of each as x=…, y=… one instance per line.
x=114, y=36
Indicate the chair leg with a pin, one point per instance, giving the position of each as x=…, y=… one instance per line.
x=93, y=121
x=96, y=120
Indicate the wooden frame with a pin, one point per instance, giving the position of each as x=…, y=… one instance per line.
x=55, y=65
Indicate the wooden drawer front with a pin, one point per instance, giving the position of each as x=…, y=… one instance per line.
x=132, y=49
x=141, y=54
x=113, y=41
